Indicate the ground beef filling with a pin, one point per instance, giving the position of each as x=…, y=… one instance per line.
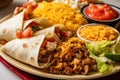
x=71, y=57
x=44, y=56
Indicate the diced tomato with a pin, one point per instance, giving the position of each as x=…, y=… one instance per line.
x=44, y=43
x=27, y=32
x=63, y=34
x=33, y=24
x=19, y=33
x=24, y=5
x=26, y=17
x=3, y=42
x=32, y=3
x=92, y=5
x=17, y=10
x=101, y=12
x=57, y=30
x=29, y=26
x=51, y=39
x=29, y=9
x=92, y=8
x=101, y=9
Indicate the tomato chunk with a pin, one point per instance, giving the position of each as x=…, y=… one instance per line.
x=51, y=39
x=19, y=33
x=26, y=17
x=63, y=34
x=27, y=32
x=57, y=30
x=33, y=24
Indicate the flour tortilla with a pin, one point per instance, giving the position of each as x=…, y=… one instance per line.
x=26, y=50
x=49, y=30
x=8, y=28
x=42, y=22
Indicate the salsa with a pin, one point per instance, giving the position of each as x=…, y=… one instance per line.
x=101, y=12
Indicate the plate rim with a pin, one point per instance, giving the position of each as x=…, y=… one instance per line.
x=35, y=71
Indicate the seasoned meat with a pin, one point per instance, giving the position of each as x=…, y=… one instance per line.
x=71, y=57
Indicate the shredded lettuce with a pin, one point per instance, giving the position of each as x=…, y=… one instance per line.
x=97, y=51
x=99, y=48
x=103, y=67
x=103, y=63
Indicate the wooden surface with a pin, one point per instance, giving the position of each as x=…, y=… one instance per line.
x=5, y=3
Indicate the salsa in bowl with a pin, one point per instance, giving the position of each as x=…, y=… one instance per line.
x=101, y=13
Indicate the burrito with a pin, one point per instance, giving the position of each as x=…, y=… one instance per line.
x=8, y=28
x=38, y=22
x=31, y=26
x=35, y=51
x=41, y=26
x=59, y=29
x=16, y=27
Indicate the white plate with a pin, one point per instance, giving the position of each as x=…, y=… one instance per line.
x=36, y=71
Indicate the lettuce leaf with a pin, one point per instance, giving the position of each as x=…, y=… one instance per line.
x=97, y=51
x=103, y=67
x=103, y=64
x=99, y=48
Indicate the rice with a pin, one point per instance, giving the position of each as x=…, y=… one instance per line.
x=59, y=13
x=98, y=33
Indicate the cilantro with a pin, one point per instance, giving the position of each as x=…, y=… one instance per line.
x=35, y=28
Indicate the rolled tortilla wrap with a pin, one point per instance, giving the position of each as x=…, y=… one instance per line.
x=58, y=29
x=27, y=50
x=42, y=23
x=49, y=29
x=8, y=28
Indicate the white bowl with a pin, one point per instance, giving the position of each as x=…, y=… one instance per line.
x=80, y=37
